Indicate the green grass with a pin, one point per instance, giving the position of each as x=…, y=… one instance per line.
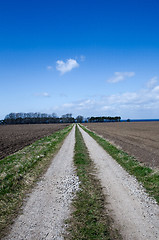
x=147, y=176
x=89, y=219
x=19, y=172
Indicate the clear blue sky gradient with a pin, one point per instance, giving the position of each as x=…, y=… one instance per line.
x=103, y=37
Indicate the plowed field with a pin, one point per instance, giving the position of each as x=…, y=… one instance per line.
x=15, y=137
x=139, y=139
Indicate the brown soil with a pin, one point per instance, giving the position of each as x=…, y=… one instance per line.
x=16, y=137
x=139, y=139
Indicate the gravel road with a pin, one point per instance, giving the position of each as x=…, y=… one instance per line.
x=135, y=214
x=49, y=204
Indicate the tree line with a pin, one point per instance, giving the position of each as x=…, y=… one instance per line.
x=105, y=119
x=39, y=118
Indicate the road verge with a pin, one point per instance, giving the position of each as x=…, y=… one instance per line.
x=19, y=172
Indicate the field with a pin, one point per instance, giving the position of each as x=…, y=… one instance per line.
x=16, y=137
x=100, y=178
x=139, y=139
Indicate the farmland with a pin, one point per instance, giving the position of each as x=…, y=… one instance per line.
x=139, y=139
x=125, y=197
x=16, y=137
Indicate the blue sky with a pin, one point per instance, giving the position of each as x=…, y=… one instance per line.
x=87, y=57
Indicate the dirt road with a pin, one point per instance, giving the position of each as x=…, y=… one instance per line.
x=134, y=213
x=49, y=204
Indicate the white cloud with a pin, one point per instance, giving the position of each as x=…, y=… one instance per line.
x=141, y=104
x=156, y=89
x=67, y=66
x=125, y=98
x=120, y=76
x=43, y=94
x=106, y=108
x=67, y=105
x=79, y=105
x=49, y=67
x=152, y=82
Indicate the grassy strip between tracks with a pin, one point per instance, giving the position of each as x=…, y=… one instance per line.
x=147, y=176
x=19, y=172
x=89, y=220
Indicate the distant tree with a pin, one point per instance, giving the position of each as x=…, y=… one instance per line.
x=104, y=119
x=26, y=118
x=79, y=119
x=67, y=118
x=54, y=115
x=1, y=122
x=12, y=115
x=87, y=119
x=117, y=119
